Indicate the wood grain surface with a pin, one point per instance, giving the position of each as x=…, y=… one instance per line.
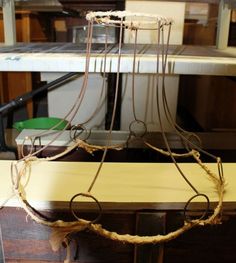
x=119, y=185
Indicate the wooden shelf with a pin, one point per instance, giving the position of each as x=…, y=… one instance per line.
x=48, y=57
x=128, y=186
x=29, y=28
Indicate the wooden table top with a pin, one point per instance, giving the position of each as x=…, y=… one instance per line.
x=128, y=186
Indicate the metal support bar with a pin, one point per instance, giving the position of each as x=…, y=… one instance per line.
x=9, y=22
x=223, y=25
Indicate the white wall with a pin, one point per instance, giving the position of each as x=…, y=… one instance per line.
x=173, y=10
x=144, y=89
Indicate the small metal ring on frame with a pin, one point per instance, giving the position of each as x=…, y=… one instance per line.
x=78, y=130
x=190, y=139
x=188, y=203
x=89, y=196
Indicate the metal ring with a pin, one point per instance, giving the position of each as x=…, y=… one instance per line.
x=188, y=203
x=135, y=134
x=78, y=130
x=75, y=128
x=192, y=138
x=89, y=196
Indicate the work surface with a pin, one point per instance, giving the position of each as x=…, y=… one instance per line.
x=120, y=185
x=68, y=57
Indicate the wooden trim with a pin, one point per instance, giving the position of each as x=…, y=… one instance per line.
x=26, y=34
x=3, y=84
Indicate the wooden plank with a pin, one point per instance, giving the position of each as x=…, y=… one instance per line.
x=120, y=186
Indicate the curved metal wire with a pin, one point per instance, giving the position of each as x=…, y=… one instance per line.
x=206, y=211
x=88, y=195
x=77, y=130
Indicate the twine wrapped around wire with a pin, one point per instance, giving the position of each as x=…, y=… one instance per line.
x=61, y=229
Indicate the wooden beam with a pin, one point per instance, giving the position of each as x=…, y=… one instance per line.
x=120, y=186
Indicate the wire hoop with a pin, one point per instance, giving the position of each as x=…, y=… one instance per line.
x=88, y=195
x=129, y=19
x=77, y=130
x=186, y=217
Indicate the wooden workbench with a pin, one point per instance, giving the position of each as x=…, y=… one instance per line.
x=120, y=185
x=137, y=198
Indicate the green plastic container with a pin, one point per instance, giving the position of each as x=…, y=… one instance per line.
x=42, y=123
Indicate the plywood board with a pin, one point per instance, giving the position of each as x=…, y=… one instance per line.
x=119, y=186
